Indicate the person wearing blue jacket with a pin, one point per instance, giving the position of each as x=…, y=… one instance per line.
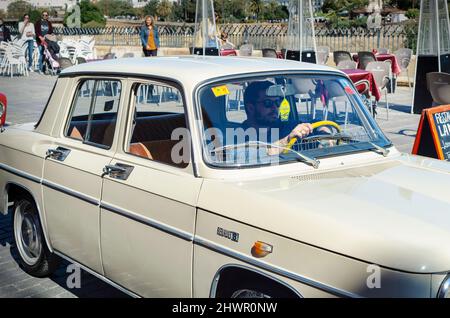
x=149, y=37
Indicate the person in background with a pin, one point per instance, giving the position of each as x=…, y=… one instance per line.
x=149, y=37
x=27, y=33
x=43, y=27
x=224, y=43
x=5, y=34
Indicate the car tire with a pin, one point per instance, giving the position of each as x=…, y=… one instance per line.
x=34, y=256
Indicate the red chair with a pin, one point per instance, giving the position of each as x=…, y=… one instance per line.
x=3, y=106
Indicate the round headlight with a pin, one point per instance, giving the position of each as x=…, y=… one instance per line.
x=444, y=290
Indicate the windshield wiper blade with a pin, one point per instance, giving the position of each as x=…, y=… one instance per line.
x=379, y=149
x=330, y=137
x=304, y=158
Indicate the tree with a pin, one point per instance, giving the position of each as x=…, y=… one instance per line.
x=412, y=13
x=17, y=9
x=2, y=14
x=91, y=15
x=256, y=7
x=114, y=8
x=151, y=7
x=164, y=9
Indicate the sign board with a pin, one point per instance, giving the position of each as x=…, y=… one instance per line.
x=433, y=134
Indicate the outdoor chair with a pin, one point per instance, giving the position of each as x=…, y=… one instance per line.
x=246, y=50
x=404, y=59
x=323, y=54
x=81, y=60
x=109, y=56
x=347, y=65
x=381, y=72
x=64, y=62
x=365, y=58
x=269, y=53
x=439, y=86
x=339, y=56
x=13, y=60
x=128, y=55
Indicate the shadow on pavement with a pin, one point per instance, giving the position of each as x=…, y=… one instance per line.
x=20, y=284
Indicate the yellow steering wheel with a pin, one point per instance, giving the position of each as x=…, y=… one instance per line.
x=314, y=126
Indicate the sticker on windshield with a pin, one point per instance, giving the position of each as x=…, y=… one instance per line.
x=220, y=90
x=285, y=110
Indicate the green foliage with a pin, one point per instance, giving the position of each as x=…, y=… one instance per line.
x=412, y=13
x=164, y=9
x=359, y=22
x=151, y=7
x=17, y=9
x=35, y=15
x=91, y=15
x=113, y=8
x=343, y=5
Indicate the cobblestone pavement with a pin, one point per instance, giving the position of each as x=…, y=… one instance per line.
x=27, y=98
x=15, y=283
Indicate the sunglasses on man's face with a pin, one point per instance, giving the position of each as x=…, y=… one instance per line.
x=270, y=103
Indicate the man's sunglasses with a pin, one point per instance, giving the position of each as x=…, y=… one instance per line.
x=270, y=103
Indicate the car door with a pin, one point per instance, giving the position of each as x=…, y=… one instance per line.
x=149, y=198
x=73, y=169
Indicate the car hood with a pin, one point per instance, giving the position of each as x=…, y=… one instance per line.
x=395, y=214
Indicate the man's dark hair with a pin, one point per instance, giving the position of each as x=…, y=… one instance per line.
x=252, y=91
x=26, y=14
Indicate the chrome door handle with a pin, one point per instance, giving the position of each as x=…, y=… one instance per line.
x=59, y=153
x=118, y=171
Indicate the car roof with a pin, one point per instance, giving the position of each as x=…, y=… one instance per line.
x=192, y=69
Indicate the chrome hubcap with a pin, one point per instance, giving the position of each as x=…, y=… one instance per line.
x=27, y=233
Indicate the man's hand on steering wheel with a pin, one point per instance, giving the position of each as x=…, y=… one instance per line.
x=300, y=131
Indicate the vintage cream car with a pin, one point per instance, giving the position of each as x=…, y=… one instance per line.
x=224, y=177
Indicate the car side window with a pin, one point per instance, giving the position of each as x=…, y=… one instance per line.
x=94, y=112
x=158, y=130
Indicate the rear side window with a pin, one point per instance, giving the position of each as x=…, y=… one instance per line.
x=94, y=112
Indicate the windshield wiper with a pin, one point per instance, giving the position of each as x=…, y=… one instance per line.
x=304, y=158
x=342, y=137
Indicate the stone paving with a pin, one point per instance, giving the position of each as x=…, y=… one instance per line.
x=27, y=98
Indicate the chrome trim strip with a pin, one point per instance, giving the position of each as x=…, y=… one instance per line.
x=150, y=222
x=273, y=269
x=99, y=276
x=70, y=192
x=19, y=173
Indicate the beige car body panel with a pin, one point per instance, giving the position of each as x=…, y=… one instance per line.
x=155, y=234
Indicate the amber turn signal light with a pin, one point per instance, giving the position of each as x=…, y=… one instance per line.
x=261, y=249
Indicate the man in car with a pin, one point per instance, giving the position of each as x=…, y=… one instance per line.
x=263, y=113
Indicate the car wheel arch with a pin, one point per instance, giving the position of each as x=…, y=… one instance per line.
x=14, y=191
x=235, y=272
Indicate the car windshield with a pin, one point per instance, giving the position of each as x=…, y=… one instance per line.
x=284, y=118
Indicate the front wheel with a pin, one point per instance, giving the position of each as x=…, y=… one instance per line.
x=34, y=255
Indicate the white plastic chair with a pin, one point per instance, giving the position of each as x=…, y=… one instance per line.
x=381, y=73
